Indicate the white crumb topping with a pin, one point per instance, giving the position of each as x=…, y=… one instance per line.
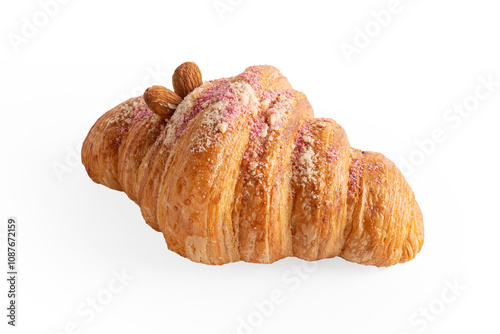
x=306, y=159
x=307, y=163
x=276, y=114
x=265, y=103
x=308, y=139
x=272, y=119
x=219, y=115
x=263, y=132
x=222, y=127
x=125, y=111
x=182, y=111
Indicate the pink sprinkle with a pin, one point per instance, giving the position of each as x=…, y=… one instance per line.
x=218, y=92
x=258, y=127
x=270, y=94
x=141, y=113
x=299, y=139
x=253, y=77
x=333, y=154
x=116, y=142
x=372, y=167
x=355, y=175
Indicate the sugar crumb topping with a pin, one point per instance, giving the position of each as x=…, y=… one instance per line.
x=304, y=158
x=355, y=176
x=221, y=106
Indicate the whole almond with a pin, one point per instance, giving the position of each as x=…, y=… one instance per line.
x=161, y=100
x=186, y=78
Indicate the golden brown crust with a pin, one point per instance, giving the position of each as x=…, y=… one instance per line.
x=242, y=171
x=385, y=218
x=320, y=207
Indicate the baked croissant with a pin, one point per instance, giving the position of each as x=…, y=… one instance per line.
x=238, y=169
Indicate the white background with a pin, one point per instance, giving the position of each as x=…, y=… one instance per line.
x=394, y=92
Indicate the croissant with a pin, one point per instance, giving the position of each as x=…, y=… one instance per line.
x=238, y=169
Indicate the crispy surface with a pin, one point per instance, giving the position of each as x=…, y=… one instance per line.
x=242, y=171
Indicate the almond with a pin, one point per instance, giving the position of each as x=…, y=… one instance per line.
x=186, y=78
x=161, y=100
